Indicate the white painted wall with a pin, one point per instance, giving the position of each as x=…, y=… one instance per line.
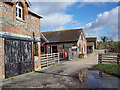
x=84, y=42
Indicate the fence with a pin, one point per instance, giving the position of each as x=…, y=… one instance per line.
x=108, y=58
x=49, y=59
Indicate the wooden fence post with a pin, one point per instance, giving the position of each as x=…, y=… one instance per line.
x=118, y=58
x=47, y=59
x=100, y=58
x=58, y=58
x=53, y=58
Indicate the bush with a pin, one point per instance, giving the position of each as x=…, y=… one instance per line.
x=110, y=46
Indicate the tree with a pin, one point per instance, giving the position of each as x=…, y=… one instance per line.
x=104, y=38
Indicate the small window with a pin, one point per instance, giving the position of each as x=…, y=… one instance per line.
x=42, y=49
x=35, y=49
x=19, y=11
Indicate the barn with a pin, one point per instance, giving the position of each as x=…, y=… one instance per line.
x=19, y=39
x=92, y=39
x=63, y=41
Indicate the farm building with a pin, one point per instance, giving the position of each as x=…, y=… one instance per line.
x=19, y=39
x=90, y=47
x=64, y=41
x=92, y=39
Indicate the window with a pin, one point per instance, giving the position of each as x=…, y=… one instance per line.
x=19, y=11
x=35, y=49
x=42, y=49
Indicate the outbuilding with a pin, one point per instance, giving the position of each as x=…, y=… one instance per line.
x=92, y=39
x=90, y=47
x=63, y=41
x=19, y=39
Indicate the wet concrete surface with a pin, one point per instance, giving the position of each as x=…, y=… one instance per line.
x=49, y=78
x=65, y=75
x=93, y=78
x=85, y=78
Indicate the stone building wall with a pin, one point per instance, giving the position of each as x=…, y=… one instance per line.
x=65, y=47
x=26, y=27
x=0, y=58
x=10, y=25
x=62, y=47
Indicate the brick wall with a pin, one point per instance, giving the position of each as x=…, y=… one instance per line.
x=12, y=25
x=0, y=58
x=61, y=48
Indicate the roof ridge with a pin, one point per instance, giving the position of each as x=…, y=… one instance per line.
x=63, y=30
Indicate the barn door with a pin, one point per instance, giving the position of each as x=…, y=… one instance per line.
x=18, y=57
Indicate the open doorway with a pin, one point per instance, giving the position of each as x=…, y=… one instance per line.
x=54, y=49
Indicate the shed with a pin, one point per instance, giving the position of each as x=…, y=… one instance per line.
x=90, y=47
x=92, y=39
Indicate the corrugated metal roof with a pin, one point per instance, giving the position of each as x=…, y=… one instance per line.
x=63, y=35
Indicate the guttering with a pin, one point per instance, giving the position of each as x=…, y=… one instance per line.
x=19, y=38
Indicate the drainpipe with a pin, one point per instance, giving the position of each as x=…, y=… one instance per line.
x=33, y=51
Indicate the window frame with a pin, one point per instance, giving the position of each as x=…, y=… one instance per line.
x=18, y=12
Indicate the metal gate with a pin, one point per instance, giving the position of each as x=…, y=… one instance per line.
x=18, y=57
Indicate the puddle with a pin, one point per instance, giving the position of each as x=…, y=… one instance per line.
x=93, y=78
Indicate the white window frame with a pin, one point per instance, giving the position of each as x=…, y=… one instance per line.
x=17, y=11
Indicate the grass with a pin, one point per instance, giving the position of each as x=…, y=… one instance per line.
x=108, y=68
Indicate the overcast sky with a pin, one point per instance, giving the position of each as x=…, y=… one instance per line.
x=96, y=18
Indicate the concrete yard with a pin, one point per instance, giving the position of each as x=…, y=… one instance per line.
x=59, y=76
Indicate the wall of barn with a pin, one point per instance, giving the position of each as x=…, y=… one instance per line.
x=82, y=44
x=1, y=58
x=37, y=63
x=13, y=26
x=62, y=47
x=65, y=47
x=10, y=25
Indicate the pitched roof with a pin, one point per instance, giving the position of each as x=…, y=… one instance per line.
x=63, y=35
x=91, y=38
x=43, y=37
